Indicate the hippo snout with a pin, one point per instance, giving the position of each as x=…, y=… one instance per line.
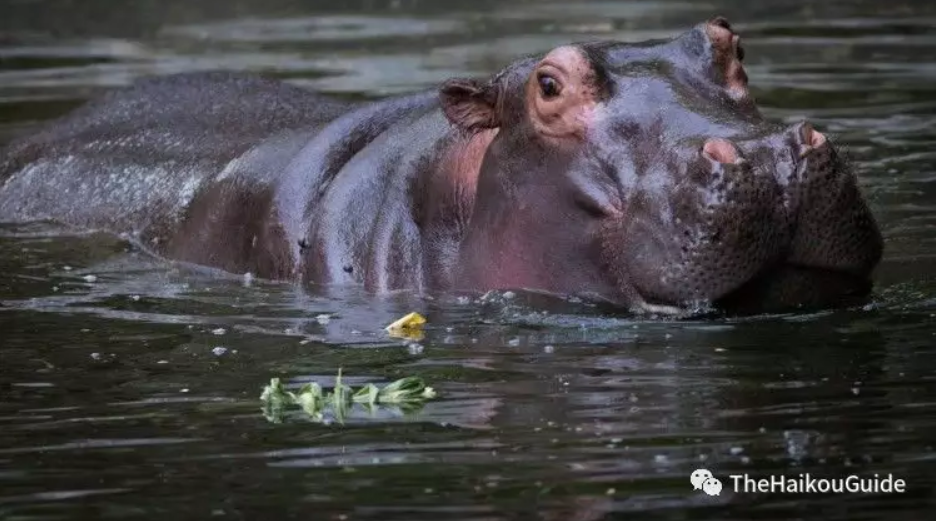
x=772, y=221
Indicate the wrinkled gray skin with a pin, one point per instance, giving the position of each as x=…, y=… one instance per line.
x=252, y=175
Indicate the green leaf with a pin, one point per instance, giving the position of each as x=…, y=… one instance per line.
x=366, y=395
x=406, y=394
x=342, y=393
x=312, y=400
x=407, y=389
x=274, y=399
x=341, y=410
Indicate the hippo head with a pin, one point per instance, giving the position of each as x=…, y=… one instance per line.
x=644, y=174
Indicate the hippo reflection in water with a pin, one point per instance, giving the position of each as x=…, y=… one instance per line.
x=638, y=174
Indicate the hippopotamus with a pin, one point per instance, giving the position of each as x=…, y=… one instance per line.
x=640, y=175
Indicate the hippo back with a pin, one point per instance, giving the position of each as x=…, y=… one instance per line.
x=138, y=155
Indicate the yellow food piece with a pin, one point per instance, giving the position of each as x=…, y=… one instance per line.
x=409, y=326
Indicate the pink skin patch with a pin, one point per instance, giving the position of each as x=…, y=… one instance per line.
x=461, y=165
x=812, y=138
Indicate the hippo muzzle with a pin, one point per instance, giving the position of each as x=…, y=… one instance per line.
x=764, y=223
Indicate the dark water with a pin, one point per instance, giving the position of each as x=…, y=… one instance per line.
x=115, y=402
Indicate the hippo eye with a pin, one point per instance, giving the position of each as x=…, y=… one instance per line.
x=548, y=85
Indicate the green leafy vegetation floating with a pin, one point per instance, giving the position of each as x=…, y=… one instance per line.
x=406, y=394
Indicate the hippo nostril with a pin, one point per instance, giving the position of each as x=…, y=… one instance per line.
x=721, y=151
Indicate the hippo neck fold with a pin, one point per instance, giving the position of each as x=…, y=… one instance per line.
x=310, y=172
x=398, y=181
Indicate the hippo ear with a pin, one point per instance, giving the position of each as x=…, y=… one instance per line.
x=470, y=104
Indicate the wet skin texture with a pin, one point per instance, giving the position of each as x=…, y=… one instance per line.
x=641, y=175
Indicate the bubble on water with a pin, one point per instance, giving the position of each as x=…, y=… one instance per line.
x=90, y=278
x=323, y=319
x=162, y=362
x=219, y=350
x=218, y=331
x=95, y=356
x=513, y=342
x=415, y=348
x=736, y=450
x=661, y=458
x=549, y=348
